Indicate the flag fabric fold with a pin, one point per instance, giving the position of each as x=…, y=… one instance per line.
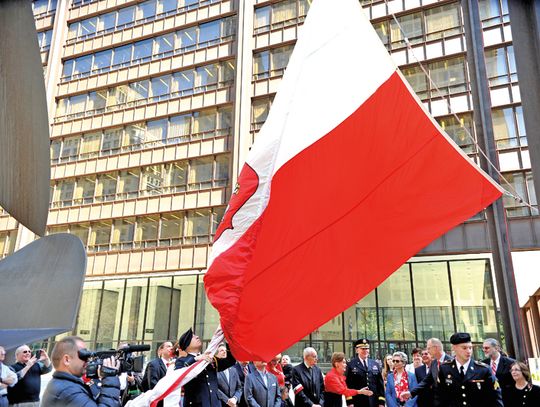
x=348, y=178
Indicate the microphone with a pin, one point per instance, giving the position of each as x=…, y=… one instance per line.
x=136, y=348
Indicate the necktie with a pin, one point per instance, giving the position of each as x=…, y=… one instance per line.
x=364, y=362
x=493, y=367
x=245, y=370
x=462, y=372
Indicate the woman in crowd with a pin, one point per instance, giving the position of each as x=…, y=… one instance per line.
x=523, y=393
x=388, y=367
x=398, y=382
x=334, y=383
x=287, y=369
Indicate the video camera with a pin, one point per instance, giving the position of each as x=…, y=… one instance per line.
x=128, y=362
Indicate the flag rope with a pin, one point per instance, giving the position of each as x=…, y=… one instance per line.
x=446, y=98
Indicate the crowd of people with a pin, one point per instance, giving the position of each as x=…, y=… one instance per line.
x=433, y=377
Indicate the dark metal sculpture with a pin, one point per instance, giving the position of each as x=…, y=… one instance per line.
x=41, y=283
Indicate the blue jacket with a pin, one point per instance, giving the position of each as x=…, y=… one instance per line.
x=67, y=390
x=391, y=397
x=260, y=395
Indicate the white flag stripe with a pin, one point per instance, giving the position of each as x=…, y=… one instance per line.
x=172, y=376
x=301, y=112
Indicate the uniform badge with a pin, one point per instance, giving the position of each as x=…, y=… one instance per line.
x=496, y=385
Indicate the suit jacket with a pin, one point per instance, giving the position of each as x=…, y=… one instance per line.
x=240, y=370
x=229, y=388
x=478, y=387
x=424, y=399
x=203, y=390
x=358, y=377
x=155, y=370
x=503, y=375
x=308, y=385
x=427, y=388
x=260, y=395
x=391, y=396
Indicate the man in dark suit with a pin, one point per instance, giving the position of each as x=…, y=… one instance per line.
x=201, y=391
x=500, y=365
x=425, y=399
x=427, y=388
x=229, y=386
x=464, y=381
x=243, y=369
x=261, y=387
x=365, y=372
x=156, y=369
x=308, y=381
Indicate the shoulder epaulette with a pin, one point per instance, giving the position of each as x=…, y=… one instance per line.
x=480, y=363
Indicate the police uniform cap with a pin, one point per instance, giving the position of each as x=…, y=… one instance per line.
x=185, y=339
x=460, y=337
x=362, y=343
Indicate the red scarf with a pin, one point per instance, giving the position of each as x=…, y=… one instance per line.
x=402, y=385
x=277, y=371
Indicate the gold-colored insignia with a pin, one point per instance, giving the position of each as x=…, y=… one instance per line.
x=496, y=385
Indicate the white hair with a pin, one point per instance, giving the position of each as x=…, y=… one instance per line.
x=20, y=349
x=402, y=356
x=309, y=351
x=435, y=342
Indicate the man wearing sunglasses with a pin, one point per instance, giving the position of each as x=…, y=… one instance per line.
x=29, y=369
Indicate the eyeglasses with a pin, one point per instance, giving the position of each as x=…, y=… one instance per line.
x=486, y=347
x=396, y=361
x=26, y=351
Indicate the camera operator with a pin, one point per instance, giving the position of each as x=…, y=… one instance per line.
x=66, y=387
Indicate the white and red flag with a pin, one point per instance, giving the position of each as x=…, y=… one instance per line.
x=348, y=178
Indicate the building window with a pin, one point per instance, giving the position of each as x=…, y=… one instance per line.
x=201, y=79
x=493, y=12
x=280, y=14
x=204, y=35
x=509, y=127
x=271, y=63
x=522, y=185
x=7, y=242
x=501, y=65
x=207, y=123
x=460, y=131
x=42, y=7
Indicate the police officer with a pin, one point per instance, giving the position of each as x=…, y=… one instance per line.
x=365, y=372
x=202, y=391
x=464, y=381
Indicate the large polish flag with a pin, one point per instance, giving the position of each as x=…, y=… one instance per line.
x=348, y=178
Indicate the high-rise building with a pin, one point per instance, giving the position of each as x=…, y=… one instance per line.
x=153, y=107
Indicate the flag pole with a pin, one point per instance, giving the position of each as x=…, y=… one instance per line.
x=496, y=216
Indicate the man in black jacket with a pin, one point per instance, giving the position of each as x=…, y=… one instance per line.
x=427, y=388
x=307, y=381
x=156, y=369
x=500, y=366
x=66, y=387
